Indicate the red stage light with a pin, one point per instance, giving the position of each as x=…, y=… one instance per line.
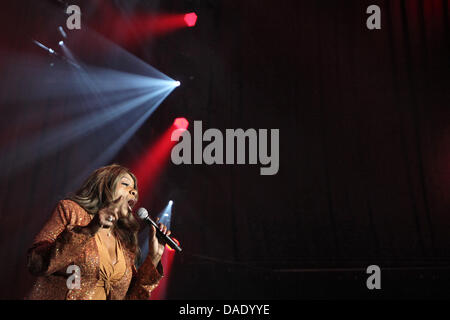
x=181, y=123
x=169, y=248
x=159, y=293
x=148, y=168
x=190, y=19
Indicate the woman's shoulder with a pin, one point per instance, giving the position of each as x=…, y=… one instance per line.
x=72, y=209
x=69, y=204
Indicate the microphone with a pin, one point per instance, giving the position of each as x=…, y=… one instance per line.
x=143, y=215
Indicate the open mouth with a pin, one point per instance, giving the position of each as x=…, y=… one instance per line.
x=131, y=204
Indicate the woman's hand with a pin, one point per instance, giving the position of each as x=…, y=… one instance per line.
x=107, y=216
x=155, y=246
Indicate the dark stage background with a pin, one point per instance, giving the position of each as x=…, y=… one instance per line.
x=364, y=146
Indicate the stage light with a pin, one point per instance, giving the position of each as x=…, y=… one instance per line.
x=116, y=99
x=44, y=47
x=160, y=291
x=190, y=19
x=181, y=123
x=61, y=30
x=177, y=83
x=61, y=43
x=165, y=215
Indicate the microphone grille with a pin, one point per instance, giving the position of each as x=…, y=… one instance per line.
x=142, y=213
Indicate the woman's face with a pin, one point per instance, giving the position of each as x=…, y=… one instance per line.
x=125, y=188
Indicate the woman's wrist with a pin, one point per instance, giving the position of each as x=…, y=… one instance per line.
x=93, y=226
x=155, y=260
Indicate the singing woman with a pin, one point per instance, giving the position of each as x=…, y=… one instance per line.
x=95, y=232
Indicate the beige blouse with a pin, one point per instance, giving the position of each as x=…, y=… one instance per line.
x=109, y=273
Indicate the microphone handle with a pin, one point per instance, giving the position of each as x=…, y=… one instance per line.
x=163, y=237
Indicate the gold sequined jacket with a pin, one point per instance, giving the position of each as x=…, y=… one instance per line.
x=61, y=243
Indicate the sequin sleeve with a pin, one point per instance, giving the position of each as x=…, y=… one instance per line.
x=144, y=280
x=59, y=242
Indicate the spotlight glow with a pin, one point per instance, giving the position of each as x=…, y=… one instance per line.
x=181, y=123
x=61, y=30
x=43, y=47
x=165, y=216
x=110, y=102
x=177, y=83
x=190, y=19
x=61, y=43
